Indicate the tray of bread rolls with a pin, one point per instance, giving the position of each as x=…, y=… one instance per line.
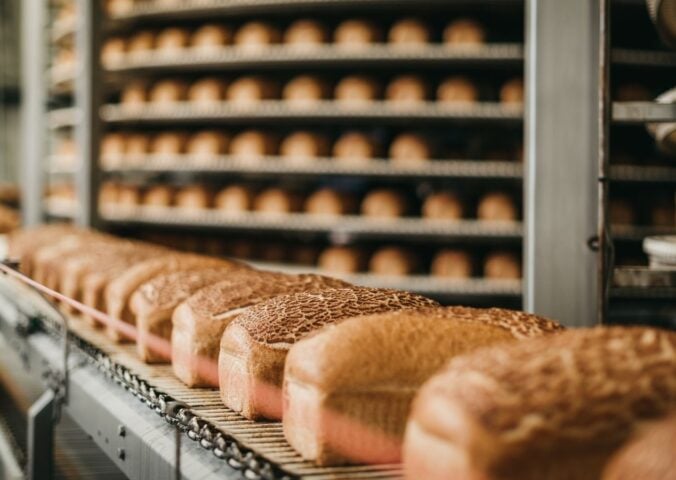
x=277, y=374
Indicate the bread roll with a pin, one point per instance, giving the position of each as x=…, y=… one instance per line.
x=356, y=90
x=512, y=91
x=250, y=144
x=384, y=203
x=141, y=41
x=443, y=206
x=153, y=304
x=306, y=34
x=66, y=13
x=328, y=201
x=65, y=58
x=137, y=144
x=305, y=90
x=302, y=147
x=113, y=146
x=649, y=455
x=172, y=40
x=662, y=214
x=464, y=31
x=356, y=34
x=497, y=206
x=341, y=260
x=336, y=379
x=502, y=265
x=392, y=261
x=113, y=50
x=158, y=196
x=251, y=90
x=254, y=346
x=207, y=91
x=255, y=36
x=129, y=195
x=210, y=37
x=116, y=8
x=199, y=322
x=578, y=396
x=276, y=201
x=621, y=212
x=355, y=147
x=206, y=144
x=407, y=89
x=410, y=149
x=304, y=255
x=632, y=92
x=234, y=199
x=134, y=94
x=109, y=193
x=409, y=32
x=194, y=197
x=168, y=143
x=168, y=91
x=457, y=90
x=448, y=263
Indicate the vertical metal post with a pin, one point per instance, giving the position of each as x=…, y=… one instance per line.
x=41, y=438
x=87, y=102
x=561, y=171
x=33, y=109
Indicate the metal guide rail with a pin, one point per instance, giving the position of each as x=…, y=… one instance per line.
x=252, y=450
x=643, y=112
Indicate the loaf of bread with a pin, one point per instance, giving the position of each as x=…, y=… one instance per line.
x=450, y=263
x=457, y=90
x=303, y=147
x=134, y=94
x=117, y=7
x=356, y=34
x=356, y=90
x=502, y=265
x=168, y=143
x=305, y=90
x=204, y=145
x=207, y=91
x=305, y=34
x=108, y=194
x=210, y=37
x=410, y=149
x=512, y=91
x=199, y=321
x=328, y=201
x=129, y=195
x=250, y=90
x=112, y=149
x=443, y=206
x=158, y=196
x=153, y=304
x=252, y=144
x=464, y=31
x=194, y=197
x=384, y=203
x=649, y=455
x=141, y=41
x=355, y=148
x=137, y=144
x=276, y=201
x=341, y=260
x=234, y=199
x=168, y=91
x=497, y=207
x=172, y=40
x=113, y=50
x=393, y=262
x=407, y=89
x=255, y=36
x=409, y=32
x=254, y=346
x=347, y=402
x=554, y=407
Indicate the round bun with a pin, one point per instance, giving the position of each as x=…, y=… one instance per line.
x=449, y=263
x=172, y=39
x=65, y=57
x=443, y=206
x=356, y=89
x=392, y=261
x=168, y=143
x=197, y=197
x=305, y=90
x=356, y=33
x=354, y=147
x=408, y=89
x=409, y=31
x=66, y=149
x=207, y=91
x=457, y=89
x=497, y=206
x=210, y=36
x=168, y=91
x=276, y=201
x=502, y=265
x=141, y=41
x=159, y=196
x=138, y=144
x=207, y=143
x=133, y=94
x=464, y=31
x=109, y=194
x=632, y=92
x=343, y=260
x=128, y=195
x=306, y=33
x=113, y=148
x=512, y=91
x=384, y=203
x=303, y=146
x=621, y=212
x=252, y=144
x=328, y=201
x=410, y=149
x=256, y=35
x=251, y=89
x=113, y=50
x=234, y=199
x=116, y=8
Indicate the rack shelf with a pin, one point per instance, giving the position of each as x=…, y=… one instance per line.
x=643, y=58
x=60, y=209
x=636, y=233
x=340, y=226
x=642, y=112
x=62, y=118
x=643, y=174
x=326, y=112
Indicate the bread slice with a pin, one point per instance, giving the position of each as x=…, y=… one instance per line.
x=554, y=407
x=154, y=302
x=118, y=292
x=199, y=321
x=347, y=402
x=254, y=347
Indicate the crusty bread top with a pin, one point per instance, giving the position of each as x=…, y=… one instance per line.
x=412, y=345
x=284, y=320
x=505, y=403
x=248, y=287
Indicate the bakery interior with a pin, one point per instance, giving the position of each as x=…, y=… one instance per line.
x=338, y=239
